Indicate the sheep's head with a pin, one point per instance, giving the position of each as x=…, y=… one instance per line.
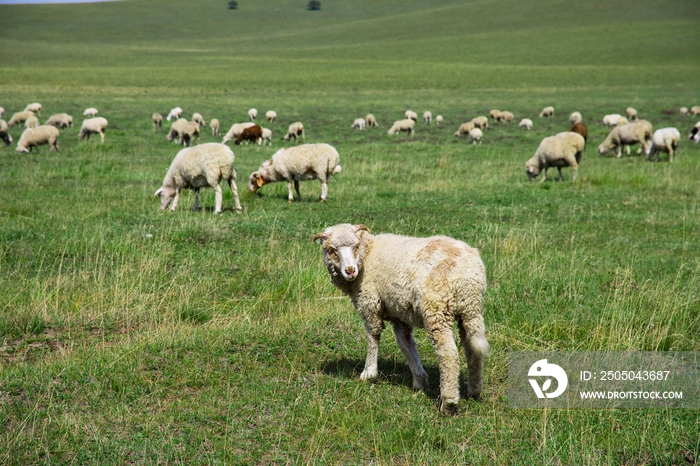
x=532, y=170
x=21, y=148
x=166, y=195
x=343, y=249
x=602, y=149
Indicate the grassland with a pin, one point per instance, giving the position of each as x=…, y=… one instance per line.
x=128, y=335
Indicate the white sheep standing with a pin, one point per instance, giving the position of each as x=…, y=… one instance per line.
x=410, y=114
x=631, y=114
x=214, y=125
x=402, y=125
x=252, y=114
x=199, y=119
x=266, y=137
x=371, y=121
x=96, y=125
x=561, y=150
x=547, y=112
x=19, y=118
x=359, y=124
x=639, y=131
x=300, y=163
x=236, y=130
x=34, y=137
x=575, y=117
x=31, y=122
x=475, y=136
x=414, y=282
x=200, y=167
x=464, y=129
x=175, y=113
x=4, y=133
x=664, y=140
x=438, y=120
x=295, y=130
x=62, y=120
x=271, y=116
x=157, y=120
x=612, y=119
x=427, y=117
x=34, y=108
x=90, y=112
x=480, y=122
x=525, y=123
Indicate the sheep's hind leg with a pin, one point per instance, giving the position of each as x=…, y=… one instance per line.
x=296, y=188
x=439, y=329
x=324, y=190
x=196, y=200
x=291, y=195
x=234, y=189
x=219, y=198
x=404, y=337
x=476, y=348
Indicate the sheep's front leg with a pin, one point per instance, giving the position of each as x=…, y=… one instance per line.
x=176, y=199
x=102, y=136
x=544, y=175
x=404, y=337
x=561, y=176
x=291, y=195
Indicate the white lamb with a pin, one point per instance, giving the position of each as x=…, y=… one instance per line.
x=359, y=124
x=34, y=108
x=96, y=125
x=371, y=121
x=252, y=114
x=664, y=140
x=200, y=167
x=300, y=163
x=411, y=115
x=525, y=123
x=199, y=119
x=31, y=122
x=19, y=118
x=266, y=137
x=236, y=130
x=464, y=129
x=427, y=117
x=271, y=115
x=612, y=119
x=175, y=113
x=475, y=136
x=575, y=117
x=547, y=112
x=402, y=125
x=157, y=120
x=295, y=130
x=61, y=120
x=90, y=112
x=431, y=283
x=438, y=120
x=4, y=133
x=34, y=137
x=561, y=150
x=214, y=125
x=639, y=131
x=631, y=114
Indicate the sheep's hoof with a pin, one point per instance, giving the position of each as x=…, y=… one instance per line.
x=239, y=211
x=321, y=200
x=420, y=382
x=448, y=409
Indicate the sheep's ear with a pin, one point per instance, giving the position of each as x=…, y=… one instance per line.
x=529, y=169
x=321, y=237
x=358, y=228
x=259, y=181
x=158, y=192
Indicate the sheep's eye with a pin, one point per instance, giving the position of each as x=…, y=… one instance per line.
x=333, y=252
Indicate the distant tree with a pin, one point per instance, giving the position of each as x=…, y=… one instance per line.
x=233, y=5
x=313, y=5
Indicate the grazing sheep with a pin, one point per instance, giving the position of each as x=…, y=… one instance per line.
x=414, y=282
x=631, y=114
x=481, y=122
x=475, y=136
x=664, y=140
x=157, y=120
x=547, y=112
x=271, y=115
x=684, y=111
x=214, y=125
x=295, y=130
x=695, y=132
x=525, y=123
x=96, y=125
x=266, y=136
x=4, y=133
x=580, y=128
x=622, y=121
x=402, y=125
x=34, y=108
x=507, y=117
x=639, y=131
x=561, y=150
x=196, y=168
x=464, y=129
x=236, y=130
x=612, y=119
x=61, y=120
x=495, y=114
x=411, y=115
x=438, y=120
x=34, y=137
x=371, y=121
x=197, y=118
x=251, y=134
x=300, y=163
x=31, y=122
x=188, y=133
x=359, y=124
x=19, y=118
x=575, y=117
x=252, y=114
x=695, y=110
x=90, y=112
x=175, y=113
x=427, y=117
x=175, y=129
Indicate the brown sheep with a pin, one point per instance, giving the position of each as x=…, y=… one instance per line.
x=253, y=134
x=581, y=129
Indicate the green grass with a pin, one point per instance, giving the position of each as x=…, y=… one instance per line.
x=128, y=335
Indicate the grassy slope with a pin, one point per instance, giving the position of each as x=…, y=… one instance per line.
x=220, y=339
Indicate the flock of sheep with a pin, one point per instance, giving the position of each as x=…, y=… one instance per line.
x=429, y=283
